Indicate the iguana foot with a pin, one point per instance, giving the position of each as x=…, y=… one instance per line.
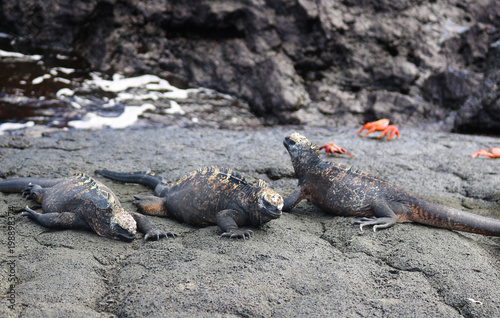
x=380, y=125
x=30, y=213
x=378, y=223
x=492, y=153
x=238, y=234
x=156, y=235
x=32, y=191
x=333, y=149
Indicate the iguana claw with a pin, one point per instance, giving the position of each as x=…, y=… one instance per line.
x=238, y=234
x=30, y=213
x=378, y=223
x=156, y=235
x=380, y=125
x=333, y=149
x=27, y=191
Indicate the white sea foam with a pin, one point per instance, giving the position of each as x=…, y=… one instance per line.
x=81, y=94
x=120, y=83
x=19, y=55
x=175, y=108
x=129, y=91
x=40, y=79
x=127, y=118
x=64, y=70
x=65, y=92
x=155, y=89
x=62, y=80
x=62, y=57
x=15, y=126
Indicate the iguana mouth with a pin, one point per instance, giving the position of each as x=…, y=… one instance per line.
x=128, y=237
x=293, y=140
x=272, y=203
x=296, y=144
x=287, y=142
x=275, y=214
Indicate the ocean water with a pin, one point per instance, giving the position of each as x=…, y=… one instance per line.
x=58, y=91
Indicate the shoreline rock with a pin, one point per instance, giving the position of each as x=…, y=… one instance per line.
x=293, y=62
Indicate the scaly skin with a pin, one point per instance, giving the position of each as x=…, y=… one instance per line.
x=207, y=196
x=80, y=202
x=341, y=190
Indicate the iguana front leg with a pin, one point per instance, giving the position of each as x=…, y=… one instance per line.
x=34, y=192
x=228, y=221
x=57, y=220
x=150, y=205
x=384, y=216
x=293, y=199
x=146, y=226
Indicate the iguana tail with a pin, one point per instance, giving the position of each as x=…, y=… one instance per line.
x=19, y=184
x=437, y=215
x=148, y=179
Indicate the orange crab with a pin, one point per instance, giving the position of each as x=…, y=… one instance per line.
x=380, y=125
x=492, y=153
x=333, y=149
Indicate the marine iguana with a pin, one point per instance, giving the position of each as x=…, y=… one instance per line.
x=342, y=190
x=207, y=196
x=80, y=202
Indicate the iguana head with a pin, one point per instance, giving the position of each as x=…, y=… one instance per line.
x=270, y=204
x=122, y=226
x=300, y=148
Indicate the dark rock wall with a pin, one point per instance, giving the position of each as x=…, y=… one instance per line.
x=303, y=61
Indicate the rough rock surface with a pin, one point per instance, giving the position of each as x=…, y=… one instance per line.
x=307, y=61
x=304, y=264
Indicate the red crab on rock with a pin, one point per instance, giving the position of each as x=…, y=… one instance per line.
x=333, y=149
x=492, y=153
x=380, y=125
